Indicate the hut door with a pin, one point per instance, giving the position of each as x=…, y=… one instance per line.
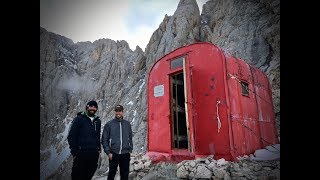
x=179, y=127
x=180, y=134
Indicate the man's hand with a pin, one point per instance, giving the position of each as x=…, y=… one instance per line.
x=110, y=156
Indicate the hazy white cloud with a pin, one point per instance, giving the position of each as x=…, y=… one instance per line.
x=77, y=84
x=141, y=37
x=88, y=20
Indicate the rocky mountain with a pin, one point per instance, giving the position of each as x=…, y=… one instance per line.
x=110, y=72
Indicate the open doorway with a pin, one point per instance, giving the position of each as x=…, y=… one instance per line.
x=179, y=126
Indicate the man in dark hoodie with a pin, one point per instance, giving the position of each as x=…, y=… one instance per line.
x=84, y=142
x=117, y=144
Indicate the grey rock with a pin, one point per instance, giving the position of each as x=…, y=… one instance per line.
x=191, y=175
x=236, y=167
x=207, y=162
x=182, y=172
x=237, y=174
x=192, y=164
x=216, y=178
x=257, y=167
x=267, y=168
x=221, y=162
x=147, y=164
x=138, y=166
x=132, y=174
x=212, y=166
x=227, y=176
x=220, y=173
x=202, y=172
x=181, y=163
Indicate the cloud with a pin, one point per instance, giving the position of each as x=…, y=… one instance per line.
x=141, y=37
x=143, y=18
x=144, y=12
x=82, y=20
x=77, y=84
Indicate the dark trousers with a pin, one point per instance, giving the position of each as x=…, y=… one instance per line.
x=84, y=165
x=123, y=160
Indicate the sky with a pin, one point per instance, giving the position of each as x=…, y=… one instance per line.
x=88, y=20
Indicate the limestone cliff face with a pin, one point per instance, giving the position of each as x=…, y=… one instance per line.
x=111, y=73
x=71, y=75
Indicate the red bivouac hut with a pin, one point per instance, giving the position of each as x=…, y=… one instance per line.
x=202, y=101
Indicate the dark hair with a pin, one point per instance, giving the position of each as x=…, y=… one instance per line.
x=92, y=103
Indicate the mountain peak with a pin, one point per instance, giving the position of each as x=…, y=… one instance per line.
x=188, y=5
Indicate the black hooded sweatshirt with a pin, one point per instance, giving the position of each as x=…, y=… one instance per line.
x=84, y=134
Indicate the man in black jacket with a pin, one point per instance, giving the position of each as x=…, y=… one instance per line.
x=117, y=144
x=84, y=142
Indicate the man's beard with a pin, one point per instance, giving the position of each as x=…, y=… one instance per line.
x=91, y=112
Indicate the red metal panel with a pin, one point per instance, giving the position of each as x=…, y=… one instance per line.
x=265, y=106
x=159, y=130
x=207, y=79
x=232, y=153
x=244, y=112
x=235, y=106
x=248, y=104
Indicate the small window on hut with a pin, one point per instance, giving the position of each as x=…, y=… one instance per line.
x=176, y=63
x=244, y=88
